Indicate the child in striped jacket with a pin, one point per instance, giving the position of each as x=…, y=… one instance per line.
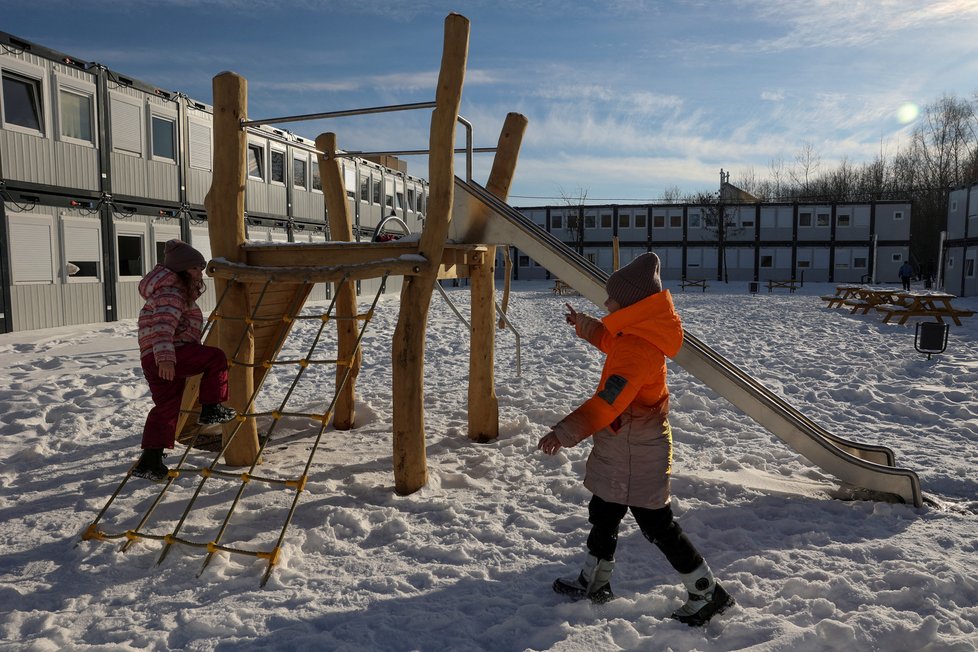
x=170, y=351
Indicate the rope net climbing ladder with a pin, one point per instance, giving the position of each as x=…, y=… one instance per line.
x=269, y=315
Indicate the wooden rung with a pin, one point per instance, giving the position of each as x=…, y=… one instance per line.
x=317, y=274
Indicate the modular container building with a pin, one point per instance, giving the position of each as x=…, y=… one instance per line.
x=837, y=242
x=960, y=243
x=98, y=170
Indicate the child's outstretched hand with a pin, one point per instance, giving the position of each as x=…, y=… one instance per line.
x=549, y=443
x=571, y=316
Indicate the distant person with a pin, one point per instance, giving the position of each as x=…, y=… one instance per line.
x=630, y=463
x=906, y=273
x=170, y=352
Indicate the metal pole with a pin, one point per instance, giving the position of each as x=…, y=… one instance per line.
x=468, y=148
x=516, y=334
x=339, y=114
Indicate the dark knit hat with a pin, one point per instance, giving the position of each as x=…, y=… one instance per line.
x=635, y=281
x=179, y=256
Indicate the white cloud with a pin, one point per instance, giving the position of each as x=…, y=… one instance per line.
x=772, y=96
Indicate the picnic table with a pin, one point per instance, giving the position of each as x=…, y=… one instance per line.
x=896, y=303
x=922, y=304
x=561, y=288
x=791, y=285
x=693, y=282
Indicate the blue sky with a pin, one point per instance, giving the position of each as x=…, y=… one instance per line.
x=625, y=98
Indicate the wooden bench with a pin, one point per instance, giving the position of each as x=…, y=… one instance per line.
x=859, y=305
x=791, y=285
x=561, y=288
x=833, y=300
x=693, y=282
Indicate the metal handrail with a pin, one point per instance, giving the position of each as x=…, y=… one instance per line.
x=516, y=334
x=380, y=109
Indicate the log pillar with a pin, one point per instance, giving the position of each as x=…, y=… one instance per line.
x=341, y=228
x=226, y=228
x=410, y=465
x=483, y=405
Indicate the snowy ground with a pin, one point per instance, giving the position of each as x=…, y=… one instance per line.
x=467, y=562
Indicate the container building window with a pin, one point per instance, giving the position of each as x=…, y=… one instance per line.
x=201, y=149
x=400, y=200
x=278, y=166
x=377, y=190
x=22, y=101
x=624, y=221
x=76, y=116
x=365, y=188
x=658, y=221
x=126, y=133
x=256, y=162
x=695, y=220
x=898, y=215
x=299, y=172
x=83, y=247
x=410, y=199
x=556, y=221
x=130, y=248
x=822, y=219
x=640, y=221
x=804, y=219
x=605, y=220
x=843, y=220
x=31, y=249
x=675, y=221
x=164, y=138
x=317, y=180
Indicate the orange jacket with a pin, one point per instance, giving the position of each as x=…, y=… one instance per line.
x=637, y=340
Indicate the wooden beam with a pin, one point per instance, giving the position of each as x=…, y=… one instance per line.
x=483, y=404
x=324, y=274
x=410, y=465
x=341, y=228
x=225, y=220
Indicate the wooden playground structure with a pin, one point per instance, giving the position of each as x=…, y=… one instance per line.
x=264, y=287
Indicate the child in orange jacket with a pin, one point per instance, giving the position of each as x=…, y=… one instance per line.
x=631, y=460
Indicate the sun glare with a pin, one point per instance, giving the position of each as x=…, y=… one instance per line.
x=907, y=113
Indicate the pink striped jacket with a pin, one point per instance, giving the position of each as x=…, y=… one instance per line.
x=170, y=318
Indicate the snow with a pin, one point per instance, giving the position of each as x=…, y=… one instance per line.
x=466, y=563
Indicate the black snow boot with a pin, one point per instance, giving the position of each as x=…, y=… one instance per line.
x=211, y=413
x=593, y=582
x=151, y=466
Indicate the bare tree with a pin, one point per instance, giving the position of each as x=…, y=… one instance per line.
x=807, y=162
x=672, y=195
x=575, y=200
x=721, y=221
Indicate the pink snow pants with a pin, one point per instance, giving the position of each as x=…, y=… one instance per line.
x=192, y=359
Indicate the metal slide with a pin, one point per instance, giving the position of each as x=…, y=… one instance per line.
x=861, y=465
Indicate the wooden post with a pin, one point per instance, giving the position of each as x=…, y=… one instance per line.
x=483, y=405
x=410, y=465
x=225, y=222
x=341, y=228
x=615, y=254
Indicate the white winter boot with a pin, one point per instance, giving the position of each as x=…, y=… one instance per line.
x=593, y=582
x=706, y=597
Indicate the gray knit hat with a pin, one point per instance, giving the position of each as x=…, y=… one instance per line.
x=635, y=281
x=179, y=256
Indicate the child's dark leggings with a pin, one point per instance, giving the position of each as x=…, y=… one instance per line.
x=657, y=525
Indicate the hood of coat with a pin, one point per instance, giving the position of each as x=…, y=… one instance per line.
x=654, y=319
x=158, y=278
